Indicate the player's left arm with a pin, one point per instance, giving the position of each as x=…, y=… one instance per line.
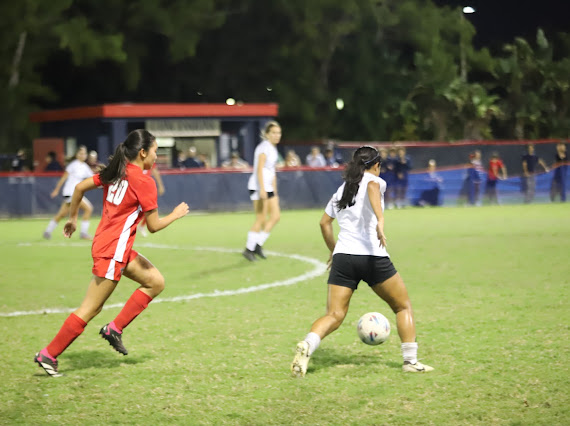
x=373, y=190
x=155, y=223
x=156, y=175
x=80, y=189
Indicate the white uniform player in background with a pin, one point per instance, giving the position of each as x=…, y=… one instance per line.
x=75, y=172
x=360, y=254
x=262, y=187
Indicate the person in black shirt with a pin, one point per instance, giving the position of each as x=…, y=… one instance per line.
x=52, y=163
x=530, y=162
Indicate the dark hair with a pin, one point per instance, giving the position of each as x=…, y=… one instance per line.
x=363, y=159
x=126, y=151
x=52, y=155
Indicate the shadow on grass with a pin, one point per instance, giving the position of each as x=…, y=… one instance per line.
x=327, y=358
x=98, y=359
x=242, y=263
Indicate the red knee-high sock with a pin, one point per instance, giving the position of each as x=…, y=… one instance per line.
x=134, y=306
x=72, y=327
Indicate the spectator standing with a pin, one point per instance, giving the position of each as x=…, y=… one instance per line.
x=403, y=165
x=530, y=163
x=330, y=160
x=315, y=158
x=52, y=165
x=560, y=166
x=496, y=167
x=472, y=181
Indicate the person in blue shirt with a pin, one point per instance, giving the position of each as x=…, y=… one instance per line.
x=52, y=165
x=560, y=166
x=530, y=163
x=403, y=164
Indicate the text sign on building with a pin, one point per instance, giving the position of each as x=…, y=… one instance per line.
x=191, y=128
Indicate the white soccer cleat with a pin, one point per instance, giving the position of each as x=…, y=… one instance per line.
x=418, y=367
x=301, y=360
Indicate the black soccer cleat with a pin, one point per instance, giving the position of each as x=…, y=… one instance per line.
x=249, y=255
x=48, y=363
x=114, y=338
x=259, y=252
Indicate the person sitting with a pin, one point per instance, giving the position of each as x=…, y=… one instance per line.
x=235, y=162
x=292, y=159
x=191, y=161
x=315, y=158
x=52, y=165
x=430, y=196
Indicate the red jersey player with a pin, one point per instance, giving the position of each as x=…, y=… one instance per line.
x=128, y=196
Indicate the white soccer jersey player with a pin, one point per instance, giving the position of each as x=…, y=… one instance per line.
x=358, y=223
x=271, y=158
x=77, y=171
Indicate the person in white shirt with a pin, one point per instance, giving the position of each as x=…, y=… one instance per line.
x=75, y=172
x=360, y=254
x=262, y=187
x=315, y=158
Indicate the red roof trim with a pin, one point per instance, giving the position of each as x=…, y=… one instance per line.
x=157, y=111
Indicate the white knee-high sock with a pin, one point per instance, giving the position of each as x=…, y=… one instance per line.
x=84, y=226
x=251, y=240
x=314, y=340
x=51, y=226
x=262, y=237
x=410, y=352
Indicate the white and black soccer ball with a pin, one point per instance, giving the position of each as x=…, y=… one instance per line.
x=373, y=328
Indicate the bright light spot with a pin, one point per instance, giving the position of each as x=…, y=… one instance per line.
x=230, y=101
x=468, y=9
x=269, y=89
x=199, y=93
x=339, y=104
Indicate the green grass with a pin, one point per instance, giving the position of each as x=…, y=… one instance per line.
x=489, y=288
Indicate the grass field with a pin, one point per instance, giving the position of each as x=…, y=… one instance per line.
x=489, y=288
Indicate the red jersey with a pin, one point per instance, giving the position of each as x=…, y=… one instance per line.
x=497, y=165
x=123, y=207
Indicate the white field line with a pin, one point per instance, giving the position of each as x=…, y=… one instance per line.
x=318, y=269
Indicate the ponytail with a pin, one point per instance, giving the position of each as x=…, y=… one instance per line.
x=125, y=153
x=363, y=159
x=116, y=168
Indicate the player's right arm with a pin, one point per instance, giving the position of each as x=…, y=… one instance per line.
x=328, y=234
x=259, y=173
x=59, y=184
x=155, y=223
x=80, y=189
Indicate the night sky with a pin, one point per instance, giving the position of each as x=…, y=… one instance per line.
x=500, y=21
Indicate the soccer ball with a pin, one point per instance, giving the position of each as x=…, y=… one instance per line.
x=373, y=328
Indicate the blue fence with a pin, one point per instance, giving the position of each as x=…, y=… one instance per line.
x=28, y=195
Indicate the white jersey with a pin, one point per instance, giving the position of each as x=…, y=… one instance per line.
x=358, y=223
x=77, y=171
x=271, y=158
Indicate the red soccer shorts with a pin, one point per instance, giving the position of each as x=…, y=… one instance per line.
x=110, y=268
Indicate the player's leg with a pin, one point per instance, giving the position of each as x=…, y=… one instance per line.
x=98, y=292
x=260, y=210
x=63, y=212
x=338, y=300
x=273, y=212
x=151, y=281
x=87, y=208
x=394, y=292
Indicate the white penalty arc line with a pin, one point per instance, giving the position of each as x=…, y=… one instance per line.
x=318, y=269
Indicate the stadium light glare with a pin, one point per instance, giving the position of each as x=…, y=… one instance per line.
x=269, y=89
x=468, y=10
x=339, y=104
x=230, y=101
